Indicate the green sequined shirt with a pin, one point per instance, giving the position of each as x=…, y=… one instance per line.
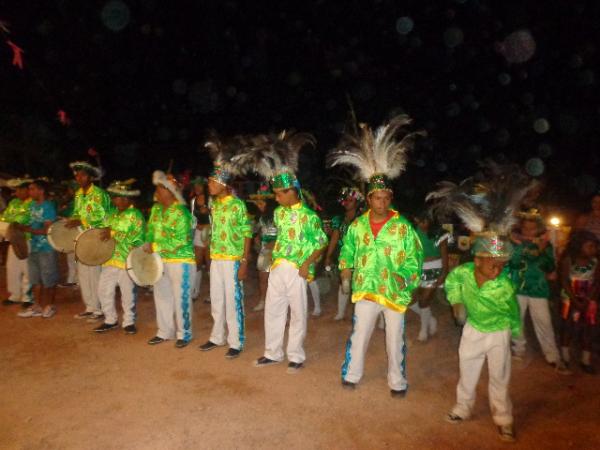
x=230, y=227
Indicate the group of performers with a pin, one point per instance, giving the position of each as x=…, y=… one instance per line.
x=386, y=264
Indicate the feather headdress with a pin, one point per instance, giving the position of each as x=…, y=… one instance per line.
x=487, y=204
x=378, y=156
x=223, y=152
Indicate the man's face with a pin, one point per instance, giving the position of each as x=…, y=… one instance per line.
x=215, y=188
x=163, y=195
x=83, y=178
x=286, y=197
x=22, y=193
x=122, y=203
x=380, y=201
x=489, y=268
x=35, y=192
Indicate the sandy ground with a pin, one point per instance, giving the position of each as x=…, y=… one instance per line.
x=64, y=387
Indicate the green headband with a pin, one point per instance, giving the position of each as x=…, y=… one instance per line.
x=378, y=182
x=492, y=245
x=285, y=180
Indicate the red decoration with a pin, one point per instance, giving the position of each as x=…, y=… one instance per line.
x=17, y=54
x=92, y=152
x=63, y=118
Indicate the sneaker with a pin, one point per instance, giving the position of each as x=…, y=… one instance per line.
x=106, y=327
x=259, y=307
x=348, y=385
x=180, y=343
x=338, y=317
x=232, y=353
x=49, y=311
x=95, y=317
x=30, y=312
x=208, y=346
x=422, y=335
x=26, y=305
x=316, y=313
x=156, y=340
x=453, y=418
x=401, y=393
x=130, y=329
x=588, y=368
x=294, y=367
x=561, y=368
x=9, y=302
x=84, y=315
x=507, y=433
x=264, y=362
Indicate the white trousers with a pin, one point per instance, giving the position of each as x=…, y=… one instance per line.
x=363, y=323
x=227, y=304
x=342, y=302
x=110, y=278
x=173, y=301
x=542, y=324
x=89, y=277
x=17, y=278
x=475, y=347
x=72, y=268
x=286, y=289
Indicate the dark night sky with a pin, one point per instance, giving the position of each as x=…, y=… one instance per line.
x=146, y=90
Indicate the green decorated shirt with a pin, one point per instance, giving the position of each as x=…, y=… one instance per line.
x=491, y=307
x=387, y=268
x=170, y=233
x=528, y=268
x=127, y=229
x=17, y=211
x=230, y=226
x=92, y=207
x=299, y=235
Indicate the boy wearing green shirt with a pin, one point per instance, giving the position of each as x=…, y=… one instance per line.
x=126, y=226
x=17, y=275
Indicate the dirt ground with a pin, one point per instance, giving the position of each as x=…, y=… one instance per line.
x=64, y=387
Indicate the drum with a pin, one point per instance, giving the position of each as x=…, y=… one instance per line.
x=61, y=238
x=145, y=269
x=264, y=260
x=3, y=230
x=91, y=250
x=18, y=241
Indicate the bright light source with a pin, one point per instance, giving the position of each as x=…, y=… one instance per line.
x=555, y=221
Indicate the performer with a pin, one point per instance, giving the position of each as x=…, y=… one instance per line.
x=91, y=207
x=199, y=206
x=126, y=226
x=351, y=199
x=170, y=235
x=532, y=261
x=65, y=210
x=435, y=269
x=313, y=286
x=266, y=237
x=17, y=277
x=487, y=206
x=300, y=242
x=42, y=261
x=381, y=248
x=231, y=237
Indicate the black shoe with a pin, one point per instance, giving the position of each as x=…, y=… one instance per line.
x=398, y=394
x=106, y=327
x=232, y=353
x=181, y=343
x=348, y=385
x=9, y=302
x=294, y=367
x=208, y=346
x=264, y=362
x=156, y=340
x=588, y=368
x=26, y=305
x=130, y=329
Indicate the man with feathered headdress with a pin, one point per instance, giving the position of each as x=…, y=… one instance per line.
x=170, y=235
x=231, y=236
x=381, y=251
x=126, y=225
x=299, y=244
x=91, y=207
x=17, y=211
x=487, y=206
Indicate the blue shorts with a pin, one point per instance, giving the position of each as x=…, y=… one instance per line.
x=43, y=268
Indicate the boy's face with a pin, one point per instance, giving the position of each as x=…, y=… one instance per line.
x=349, y=203
x=286, y=197
x=163, y=195
x=589, y=249
x=35, y=192
x=380, y=201
x=489, y=268
x=83, y=178
x=215, y=189
x=529, y=228
x=22, y=193
x=122, y=203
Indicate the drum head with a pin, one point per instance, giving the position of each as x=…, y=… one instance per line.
x=61, y=238
x=18, y=241
x=145, y=269
x=4, y=230
x=91, y=250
